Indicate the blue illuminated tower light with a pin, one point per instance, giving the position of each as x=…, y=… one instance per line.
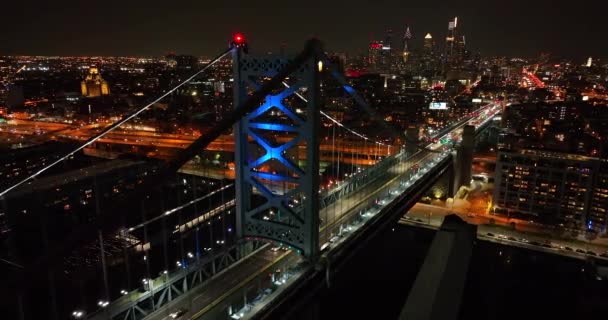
x=297, y=227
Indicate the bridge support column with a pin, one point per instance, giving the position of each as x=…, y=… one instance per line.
x=412, y=135
x=464, y=159
x=277, y=193
x=437, y=291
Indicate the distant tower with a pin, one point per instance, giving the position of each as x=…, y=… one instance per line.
x=388, y=40
x=455, y=44
x=386, y=56
x=428, y=54
x=94, y=85
x=407, y=37
x=589, y=62
x=451, y=38
x=428, y=43
x=373, y=55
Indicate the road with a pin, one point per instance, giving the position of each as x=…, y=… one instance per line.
x=43, y=131
x=226, y=283
x=432, y=216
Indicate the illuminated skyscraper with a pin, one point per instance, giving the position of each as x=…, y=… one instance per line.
x=388, y=40
x=428, y=43
x=94, y=85
x=387, y=54
x=451, y=37
x=455, y=45
x=407, y=37
x=373, y=55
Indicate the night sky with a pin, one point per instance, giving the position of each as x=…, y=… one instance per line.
x=573, y=29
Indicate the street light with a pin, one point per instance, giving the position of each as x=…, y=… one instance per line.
x=78, y=314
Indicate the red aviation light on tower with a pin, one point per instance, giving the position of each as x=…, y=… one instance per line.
x=238, y=39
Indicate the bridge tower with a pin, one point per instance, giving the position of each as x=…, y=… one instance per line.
x=277, y=152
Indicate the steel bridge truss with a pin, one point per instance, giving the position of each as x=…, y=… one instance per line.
x=161, y=292
x=297, y=180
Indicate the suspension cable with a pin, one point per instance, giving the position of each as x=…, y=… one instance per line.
x=330, y=118
x=183, y=206
x=117, y=124
x=363, y=104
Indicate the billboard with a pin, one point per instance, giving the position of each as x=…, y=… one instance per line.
x=477, y=100
x=438, y=106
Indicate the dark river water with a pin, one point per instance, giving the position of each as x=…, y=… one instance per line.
x=503, y=282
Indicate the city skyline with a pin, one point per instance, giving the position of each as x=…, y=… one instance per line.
x=142, y=180
x=130, y=29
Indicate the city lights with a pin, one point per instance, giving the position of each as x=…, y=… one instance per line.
x=264, y=169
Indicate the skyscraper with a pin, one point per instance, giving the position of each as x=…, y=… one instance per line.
x=373, y=55
x=451, y=37
x=428, y=43
x=455, y=45
x=406, y=43
x=387, y=53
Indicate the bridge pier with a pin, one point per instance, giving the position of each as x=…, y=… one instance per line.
x=413, y=138
x=438, y=288
x=464, y=159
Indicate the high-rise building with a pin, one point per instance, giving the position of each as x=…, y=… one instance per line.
x=428, y=43
x=407, y=37
x=94, y=85
x=388, y=39
x=451, y=37
x=429, y=58
x=373, y=55
x=553, y=188
x=387, y=56
x=455, y=45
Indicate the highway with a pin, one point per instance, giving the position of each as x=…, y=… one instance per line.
x=365, y=151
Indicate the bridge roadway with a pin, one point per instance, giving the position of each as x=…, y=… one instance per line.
x=210, y=294
x=241, y=274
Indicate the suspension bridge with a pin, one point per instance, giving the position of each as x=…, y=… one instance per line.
x=305, y=192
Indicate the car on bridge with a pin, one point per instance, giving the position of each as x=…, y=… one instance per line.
x=177, y=313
